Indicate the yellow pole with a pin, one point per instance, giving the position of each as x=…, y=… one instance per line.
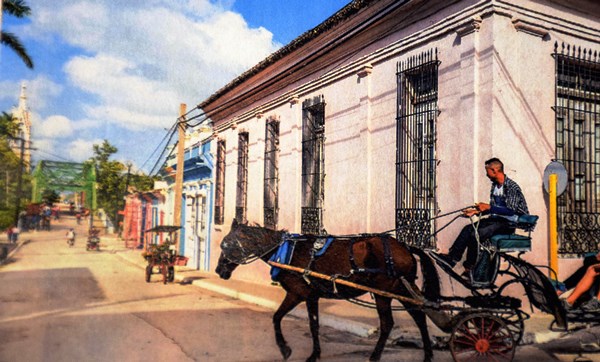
x=552, y=182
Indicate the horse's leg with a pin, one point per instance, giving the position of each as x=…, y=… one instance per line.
x=290, y=302
x=386, y=323
x=312, y=305
x=421, y=320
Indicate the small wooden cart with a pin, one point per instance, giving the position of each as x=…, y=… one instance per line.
x=162, y=256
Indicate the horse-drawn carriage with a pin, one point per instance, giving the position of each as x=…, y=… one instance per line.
x=162, y=257
x=485, y=325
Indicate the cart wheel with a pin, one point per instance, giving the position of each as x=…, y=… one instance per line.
x=148, y=273
x=171, y=274
x=163, y=270
x=482, y=337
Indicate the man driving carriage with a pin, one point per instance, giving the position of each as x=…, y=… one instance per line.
x=506, y=204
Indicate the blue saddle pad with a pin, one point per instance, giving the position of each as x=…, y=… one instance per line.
x=323, y=249
x=283, y=255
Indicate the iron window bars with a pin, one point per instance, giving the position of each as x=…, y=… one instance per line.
x=241, y=199
x=577, y=119
x=313, y=160
x=417, y=111
x=220, y=184
x=271, y=177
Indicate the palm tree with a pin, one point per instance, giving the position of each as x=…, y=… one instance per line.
x=19, y=9
x=8, y=127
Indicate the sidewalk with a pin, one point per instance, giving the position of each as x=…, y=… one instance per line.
x=338, y=314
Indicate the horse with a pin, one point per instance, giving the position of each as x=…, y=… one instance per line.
x=374, y=260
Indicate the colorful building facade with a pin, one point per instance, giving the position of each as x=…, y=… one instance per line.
x=383, y=115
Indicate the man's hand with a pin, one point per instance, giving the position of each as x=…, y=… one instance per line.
x=470, y=212
x=482, y=206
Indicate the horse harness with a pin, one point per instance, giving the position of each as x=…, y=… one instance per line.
x=320, y=246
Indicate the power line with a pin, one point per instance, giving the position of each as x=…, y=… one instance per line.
x=160, y=157
x=169, y=131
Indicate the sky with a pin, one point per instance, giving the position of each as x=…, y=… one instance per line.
x=119, y=69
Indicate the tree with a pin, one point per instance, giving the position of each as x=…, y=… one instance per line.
x=19, y=9
x=50, y=196
x=8, y=127
x=112, y=178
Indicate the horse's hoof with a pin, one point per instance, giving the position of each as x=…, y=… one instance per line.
x=286, y=352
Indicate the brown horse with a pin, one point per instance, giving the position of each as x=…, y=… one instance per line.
x=374, y=260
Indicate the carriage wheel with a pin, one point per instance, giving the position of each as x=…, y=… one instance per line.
x=482, y=337
x=148, y=273
x=515, y=323
x=171, y=274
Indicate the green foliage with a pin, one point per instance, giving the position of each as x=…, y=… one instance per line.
x=8, y=127
x=9, y=170
x=114, y=178
x=50, y=196
x=19, y=9
x=6, y=219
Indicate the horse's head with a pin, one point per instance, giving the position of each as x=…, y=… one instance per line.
x=231, y=251
x=225, y=267
x=244, y=244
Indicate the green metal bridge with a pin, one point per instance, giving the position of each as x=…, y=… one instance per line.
x=65, y=176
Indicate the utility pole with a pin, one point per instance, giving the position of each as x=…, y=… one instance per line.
x=19, y=181
x=179, y=171
x=122, y=199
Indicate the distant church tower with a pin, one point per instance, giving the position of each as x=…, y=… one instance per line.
x=20, y=115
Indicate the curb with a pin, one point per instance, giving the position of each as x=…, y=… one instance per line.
x=325, y=319
x=12, y=252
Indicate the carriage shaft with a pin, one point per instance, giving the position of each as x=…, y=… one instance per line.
x=347, y=283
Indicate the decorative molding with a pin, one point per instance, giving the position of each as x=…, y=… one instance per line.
x=469, y=27
x=259, y=115
x=294, y=100
x=273, y=117
x=234, y=124
x=530, y=28
x=215, y=135
x=365, y=71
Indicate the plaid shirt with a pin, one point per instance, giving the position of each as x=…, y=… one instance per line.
x=512, y=196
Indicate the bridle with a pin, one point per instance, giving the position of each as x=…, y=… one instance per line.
x=234, y=251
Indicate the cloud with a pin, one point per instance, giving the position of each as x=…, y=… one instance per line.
x=135, y=61
x=80, y=150
x=54, y=127
x=41, y=91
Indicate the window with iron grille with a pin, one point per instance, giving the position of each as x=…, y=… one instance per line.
x=313, y=176
x=241, y=198
x=271, y=187
x=220, y=184
x=577, y=112
x=417, y=113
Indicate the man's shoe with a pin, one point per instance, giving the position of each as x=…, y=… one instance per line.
x=592, y=305
x=444, y=259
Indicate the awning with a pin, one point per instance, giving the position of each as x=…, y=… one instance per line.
x=163, y=229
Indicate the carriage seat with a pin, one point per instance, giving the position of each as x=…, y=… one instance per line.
x=516, y=242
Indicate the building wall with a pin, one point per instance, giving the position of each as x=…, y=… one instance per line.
x=496, y=90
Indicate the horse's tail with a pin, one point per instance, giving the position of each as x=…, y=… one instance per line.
x=431, y=279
